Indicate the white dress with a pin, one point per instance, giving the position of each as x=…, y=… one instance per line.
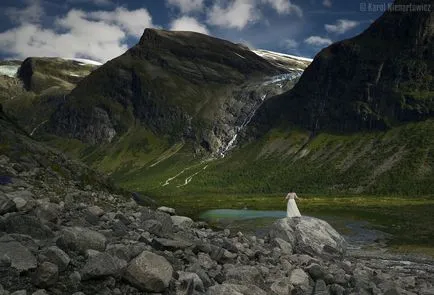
x=292, y=209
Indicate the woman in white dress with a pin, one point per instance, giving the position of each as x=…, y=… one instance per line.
x=292, y=209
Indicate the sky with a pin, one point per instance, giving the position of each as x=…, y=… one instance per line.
x=104, y=29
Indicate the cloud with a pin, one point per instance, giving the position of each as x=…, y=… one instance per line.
x=187, y=5
x=235, y=15
x=132, y=22
x=99, y=35
x=327, y=3
x=318, y=41
x=284, y=7
x=32, y=13
x=94, y=2
x=187, y=23
x=290, y=44
x=342, y=26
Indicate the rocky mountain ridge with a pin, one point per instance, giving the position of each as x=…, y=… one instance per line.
x=179, y=84
x=376, y=80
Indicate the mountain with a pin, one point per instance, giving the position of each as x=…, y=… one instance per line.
x=32, y=89
x=183, y=85
x=376, y=80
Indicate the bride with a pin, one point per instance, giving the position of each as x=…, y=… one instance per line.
x=292, y=209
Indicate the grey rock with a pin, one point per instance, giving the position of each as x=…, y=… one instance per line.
x=281, y=287
x=170, y=245
x=7, y=205
x=283, y=245
x=46, y=275
x=197, y=269
x=163, y=218
x=119, y=229
x=75, y=278
x=309, y=235
x=48, y=212
x=100, y=264
x=299, y=278
x=153, y=226
x=182, y=221
x=320, y=288
x=81, y=239
x=187, y=277
x=20, y=257
x=149, y=272
x=125, y=252
x=336, y=289
x=235, y=289
x=40, y=292
x=19, y=292
x=316, y=271
x=167, y=210
x=95, y=210
x=57, y=256
x=26, y=225
x=244, y=274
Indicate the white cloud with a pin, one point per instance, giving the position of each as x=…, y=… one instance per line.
x=132, y=22
x=32, y=13
x=99, y=35
x=94, y=2
x=318, y=41
x=327, y=3
x=187, y=23
x=236, y=15
x=342, y=26
x=290, y=44
x=284, y=7
x=187, y=5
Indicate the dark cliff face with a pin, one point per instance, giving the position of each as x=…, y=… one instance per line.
x=380, y=78
x=168, y=82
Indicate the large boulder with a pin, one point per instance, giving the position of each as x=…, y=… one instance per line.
x=310, y=236
x=149, y=272
x=6, y=205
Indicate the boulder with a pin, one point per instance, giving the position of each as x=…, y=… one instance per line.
x=26, y=225
x=81, y=239
x=283, y=245
x=20, y=257
x=234, y=289
x=46, y=275
x=56, y=256
x=281, y=287
x=186, y=278
x=310, y=236
x=48, y=211
x=245, y=275
x=299, y=278
x=100, y=264
x=7, y=205
x=170, y=245
x=182, y=221
x=167, y=210
x=149, y=272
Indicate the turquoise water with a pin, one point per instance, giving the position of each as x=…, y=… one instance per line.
x=234, y=214
x=257, y=222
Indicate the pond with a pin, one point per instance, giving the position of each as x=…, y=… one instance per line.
x=358, y=233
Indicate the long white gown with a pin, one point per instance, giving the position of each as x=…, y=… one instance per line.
x=292, y=209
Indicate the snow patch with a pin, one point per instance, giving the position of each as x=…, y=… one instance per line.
x=84, y=61
x=262, y=53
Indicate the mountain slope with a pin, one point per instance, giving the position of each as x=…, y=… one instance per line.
x=373, y=81
x=183, y=85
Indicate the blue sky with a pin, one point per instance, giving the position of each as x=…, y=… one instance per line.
x=104, y=29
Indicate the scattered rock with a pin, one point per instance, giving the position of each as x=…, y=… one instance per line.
x=7, y=205
x=170, y=245
x=182, y=221
x=233, y=289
